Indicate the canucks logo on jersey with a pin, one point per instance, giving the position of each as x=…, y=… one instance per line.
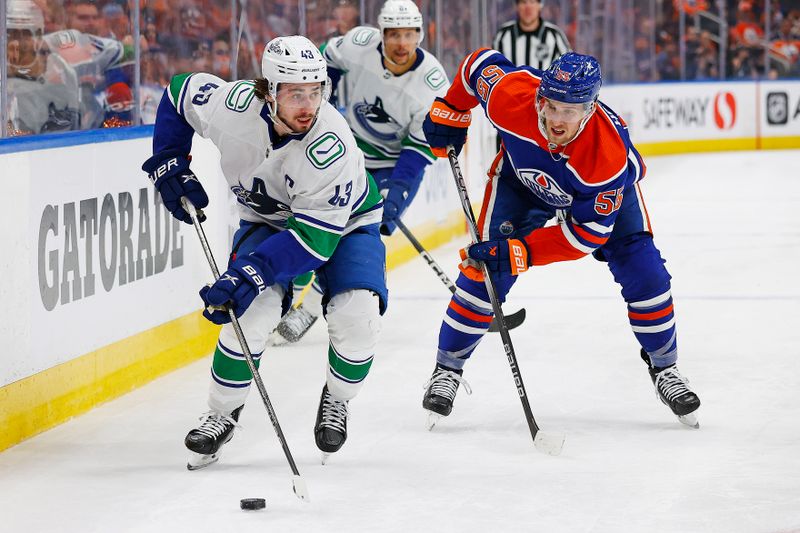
x=259, y=201
x=376, y=120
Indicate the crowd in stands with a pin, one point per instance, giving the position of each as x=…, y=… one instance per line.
x=215, y=36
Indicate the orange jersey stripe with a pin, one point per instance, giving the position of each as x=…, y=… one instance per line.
x=461, y=310
x=650, y=316
x=588, y=236
x=487, y=192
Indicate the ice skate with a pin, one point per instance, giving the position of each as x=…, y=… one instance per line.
x=441, y=392
x=674, y=392
x=293, y=326
x=206, y=441
x=330, y=429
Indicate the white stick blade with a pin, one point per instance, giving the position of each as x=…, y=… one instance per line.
x=300, y=489
x=549, y=443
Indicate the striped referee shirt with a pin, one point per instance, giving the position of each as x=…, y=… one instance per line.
x=537, y=48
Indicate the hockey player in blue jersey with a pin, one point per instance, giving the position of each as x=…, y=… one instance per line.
x=563, y=153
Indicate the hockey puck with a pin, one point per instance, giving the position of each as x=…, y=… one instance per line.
x=252, y=504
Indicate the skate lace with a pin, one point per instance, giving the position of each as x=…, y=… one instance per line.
x=445, y=383
x=334, y=413
x=213, y=424
x=297, y=320
x=671, y=384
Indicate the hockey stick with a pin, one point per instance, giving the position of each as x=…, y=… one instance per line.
x=549, y=443
x=513, y=320
x=298, y=484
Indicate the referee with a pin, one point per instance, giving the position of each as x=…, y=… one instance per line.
x=529, y=40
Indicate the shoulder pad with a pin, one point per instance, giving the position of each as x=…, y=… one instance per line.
x=363, y=36
x=599, y=155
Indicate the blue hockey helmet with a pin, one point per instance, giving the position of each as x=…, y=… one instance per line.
x=572, y=78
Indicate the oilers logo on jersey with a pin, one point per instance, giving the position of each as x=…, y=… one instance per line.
x=545, y=187
x=375, y=119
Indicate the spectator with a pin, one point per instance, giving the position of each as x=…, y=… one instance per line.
x=83, y=15
x=345, y=18
x=221, y=57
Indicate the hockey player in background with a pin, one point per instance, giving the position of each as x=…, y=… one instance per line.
x=389, y=83
x=306, y=203
x=564, y=153
x=43, y=93
x=81, y=76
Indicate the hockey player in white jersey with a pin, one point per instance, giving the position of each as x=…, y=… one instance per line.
x=390, y=83
x=43, y=93
x=306, y=203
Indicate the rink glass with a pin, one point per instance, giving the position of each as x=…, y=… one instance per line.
x=635, y=41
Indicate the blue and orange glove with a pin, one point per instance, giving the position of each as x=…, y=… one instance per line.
x=169, y=171
x=445, y=125
x=507, y=256
x=247, y=277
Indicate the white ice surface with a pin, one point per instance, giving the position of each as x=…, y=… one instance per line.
x=728, y=226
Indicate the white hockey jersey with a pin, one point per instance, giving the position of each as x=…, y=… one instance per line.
x=314, y=185
x=384, y=111
x=47, y=103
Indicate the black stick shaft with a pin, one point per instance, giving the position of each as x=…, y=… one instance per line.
x=425, y=255
x=490, y=288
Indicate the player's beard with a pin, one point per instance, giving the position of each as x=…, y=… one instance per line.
x=302, y=123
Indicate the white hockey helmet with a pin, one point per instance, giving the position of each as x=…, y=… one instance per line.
x=26, y=15
x=400, y=14
x=292, y=59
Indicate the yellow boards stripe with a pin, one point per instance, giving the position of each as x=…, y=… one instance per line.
x=44, y=400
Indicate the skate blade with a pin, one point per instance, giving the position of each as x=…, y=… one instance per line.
x=276, y=339
x=550, y=443
x=325, y=457
x=433, y=418
x=198, y=460
x=690, y=420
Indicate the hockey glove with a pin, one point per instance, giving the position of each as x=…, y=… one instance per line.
x=169, y=171
x=445, y=125
x=393, y=205
x=507, y=256
x=247, y=277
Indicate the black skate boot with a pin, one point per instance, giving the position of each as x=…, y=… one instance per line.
x=206, y=441
x=441, y=392
x=293, y=326
x=330, y=429
x=674, y=392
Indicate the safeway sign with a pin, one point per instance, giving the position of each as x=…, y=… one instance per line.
x=684, y=112
x=725, y=110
